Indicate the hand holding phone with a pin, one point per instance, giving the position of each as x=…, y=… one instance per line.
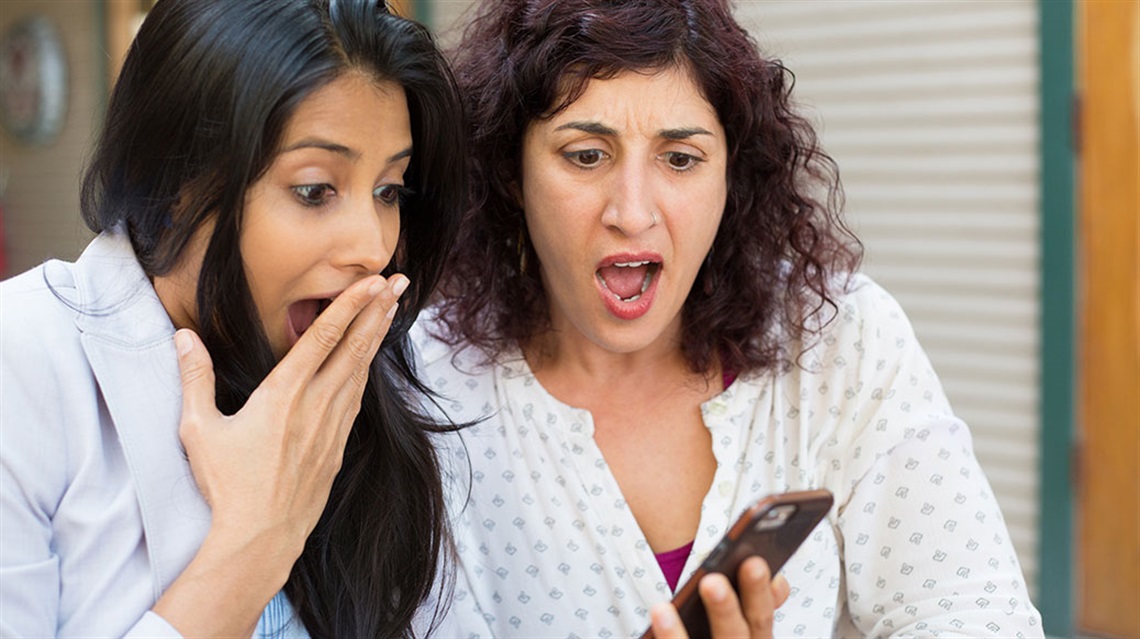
x=773, y=528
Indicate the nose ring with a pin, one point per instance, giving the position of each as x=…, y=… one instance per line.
x=653, y=215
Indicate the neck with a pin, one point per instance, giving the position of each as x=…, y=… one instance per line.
x=178, y=288
x=579, y=372
x=176, y=291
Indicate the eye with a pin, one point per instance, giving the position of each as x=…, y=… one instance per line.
x=390, y=194
x=586, y=159
x=314, y=194
x=681, y=161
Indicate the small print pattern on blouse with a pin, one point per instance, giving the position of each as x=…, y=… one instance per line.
x=915, y=544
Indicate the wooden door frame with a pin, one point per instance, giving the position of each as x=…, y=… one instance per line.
x=1106, y=541
x=1058, y=308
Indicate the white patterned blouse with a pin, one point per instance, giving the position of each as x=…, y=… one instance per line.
x=915, y=544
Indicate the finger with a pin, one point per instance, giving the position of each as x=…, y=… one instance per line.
x=757, y=590
x=781, y=589
x=310, y=352
x=197, y=374
x=349, y=362
x=362, y=371
x=348, y=395
x=726, y=619
x=666, y=623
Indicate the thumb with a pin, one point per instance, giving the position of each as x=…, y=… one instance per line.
x=197, y=375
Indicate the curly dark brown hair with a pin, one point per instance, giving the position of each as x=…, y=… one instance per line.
x=782, y=248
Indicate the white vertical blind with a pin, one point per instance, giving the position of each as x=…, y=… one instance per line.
x=930, y=109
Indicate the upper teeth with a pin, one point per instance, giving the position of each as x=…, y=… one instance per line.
x=631, y=264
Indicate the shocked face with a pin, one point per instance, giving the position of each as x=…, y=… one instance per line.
x=623, y=193
x=327, y=211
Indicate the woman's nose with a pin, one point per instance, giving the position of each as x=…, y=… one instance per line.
x=631, y=206
x=369, y=235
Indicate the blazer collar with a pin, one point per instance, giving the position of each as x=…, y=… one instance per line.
x=128, y=339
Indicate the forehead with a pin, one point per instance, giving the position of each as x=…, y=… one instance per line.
x=349, y=101
x=666, y=97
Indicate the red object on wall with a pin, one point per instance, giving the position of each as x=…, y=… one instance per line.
x=3, y=246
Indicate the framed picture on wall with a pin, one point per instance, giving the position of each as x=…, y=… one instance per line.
x=33, y=80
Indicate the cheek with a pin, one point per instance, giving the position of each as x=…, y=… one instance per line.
x=553, y=235
x=559, y=213
x=391, y=230
x=708, y=204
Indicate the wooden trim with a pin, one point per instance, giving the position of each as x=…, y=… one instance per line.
x=405, y=8
x=119, y=16
x=1058, y=387
x=1108, y=487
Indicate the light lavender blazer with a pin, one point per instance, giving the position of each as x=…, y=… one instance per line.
x=99, y=512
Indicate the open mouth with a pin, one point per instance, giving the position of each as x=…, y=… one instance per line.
x=302, y=314
x=627, y=281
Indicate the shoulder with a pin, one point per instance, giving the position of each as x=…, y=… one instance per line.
x=460, y=377
x=425, y=335
x=864, y=307
x=43, y=374
x=43, y=290
x=865, y=325
x=38, y=312
x=41, y=354
x=440, y=356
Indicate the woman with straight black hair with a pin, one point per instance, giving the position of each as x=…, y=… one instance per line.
x=272, y=175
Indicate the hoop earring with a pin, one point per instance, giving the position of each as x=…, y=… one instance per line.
x=520, y=245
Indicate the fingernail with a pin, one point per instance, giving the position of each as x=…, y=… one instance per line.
x=720, y=593
x=758, y=571
x=183, y=342
x=717, y=591
x=392, y=311
x=376, y=286
x=400, y=285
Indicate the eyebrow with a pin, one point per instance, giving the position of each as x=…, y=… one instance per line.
x=597, y=128
x=681, y=134
x=406, y=153
x=340, y=149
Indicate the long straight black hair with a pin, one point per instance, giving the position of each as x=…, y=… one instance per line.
x=194, y=120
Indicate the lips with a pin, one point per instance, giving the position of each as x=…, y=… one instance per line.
x=627, y=282
x=302, y=314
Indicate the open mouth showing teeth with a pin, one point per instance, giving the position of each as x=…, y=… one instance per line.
x=628, y=280
x=302, y=314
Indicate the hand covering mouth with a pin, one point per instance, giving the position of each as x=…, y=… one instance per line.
x=628, y=280
x=302, y=314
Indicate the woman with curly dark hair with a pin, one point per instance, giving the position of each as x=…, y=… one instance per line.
x=655, y=308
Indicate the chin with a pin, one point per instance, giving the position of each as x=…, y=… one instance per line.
x=631, y=339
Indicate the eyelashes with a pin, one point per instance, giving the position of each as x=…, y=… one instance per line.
x=313, y=195
x=319, y=195
x=392, y=194
x=592, y=158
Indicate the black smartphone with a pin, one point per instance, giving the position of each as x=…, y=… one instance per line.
x=773, y=528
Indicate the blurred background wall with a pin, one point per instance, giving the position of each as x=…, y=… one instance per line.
x=989, y=155
x=39, y=184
